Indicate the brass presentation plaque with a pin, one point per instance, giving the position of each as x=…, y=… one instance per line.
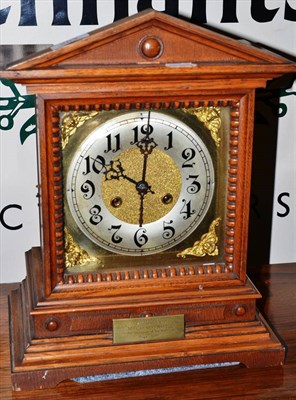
x=147, y=329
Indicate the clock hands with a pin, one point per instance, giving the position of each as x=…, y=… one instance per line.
x=146, y=146
x=115, y=170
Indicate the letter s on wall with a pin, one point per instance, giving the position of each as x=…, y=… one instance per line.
x=281, y=202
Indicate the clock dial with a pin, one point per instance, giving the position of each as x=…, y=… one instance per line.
x=140, y=183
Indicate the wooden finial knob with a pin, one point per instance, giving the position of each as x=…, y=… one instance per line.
x=52, y=325
x=240, y=311
x=151, y=47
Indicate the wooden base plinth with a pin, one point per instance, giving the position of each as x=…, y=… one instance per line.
x=44, y=363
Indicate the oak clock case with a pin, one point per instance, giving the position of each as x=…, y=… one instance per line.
x=141, y=183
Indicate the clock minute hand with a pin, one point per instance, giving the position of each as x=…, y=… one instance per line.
x=147, y=143
x=146, y=146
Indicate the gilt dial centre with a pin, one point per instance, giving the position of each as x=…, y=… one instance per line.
x=162, y=176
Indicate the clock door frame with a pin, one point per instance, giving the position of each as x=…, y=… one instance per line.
x=237, y=202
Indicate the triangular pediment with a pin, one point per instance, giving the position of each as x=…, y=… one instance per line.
x=130, y=42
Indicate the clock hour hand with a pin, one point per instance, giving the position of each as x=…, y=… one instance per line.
x=114, y=170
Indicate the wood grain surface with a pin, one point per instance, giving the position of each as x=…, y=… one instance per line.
x=276, y=283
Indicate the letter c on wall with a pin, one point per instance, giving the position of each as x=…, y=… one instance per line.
x=2, y=217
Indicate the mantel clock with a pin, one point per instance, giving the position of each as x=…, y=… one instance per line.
x=145, y=147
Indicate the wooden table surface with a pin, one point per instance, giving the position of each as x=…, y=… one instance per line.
x=277, y=283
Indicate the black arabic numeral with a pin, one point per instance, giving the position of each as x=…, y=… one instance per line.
x=170, y=141
x=140, y=238
x=144, y=130
x=188, y=154
x=88, y=188
x=95, y=218
x=115, y=238
x=136, y=135
x=87, y=165
x=168, y=231
x=147, y=129
x=109, y=143
x=94, y=164
x=187, y=209
x=195, y=186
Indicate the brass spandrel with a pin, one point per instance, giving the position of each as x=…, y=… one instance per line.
x=73, y=120
x=207, y=245
x=75, y=255
x=210, y=117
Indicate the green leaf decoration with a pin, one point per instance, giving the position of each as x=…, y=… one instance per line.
x=28, y=128
x=12, y=105
x=271, y=99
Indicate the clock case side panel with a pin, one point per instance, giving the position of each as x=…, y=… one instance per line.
x=52, y=182
x=50, y=203
x=239, y=185
x=41, y=278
